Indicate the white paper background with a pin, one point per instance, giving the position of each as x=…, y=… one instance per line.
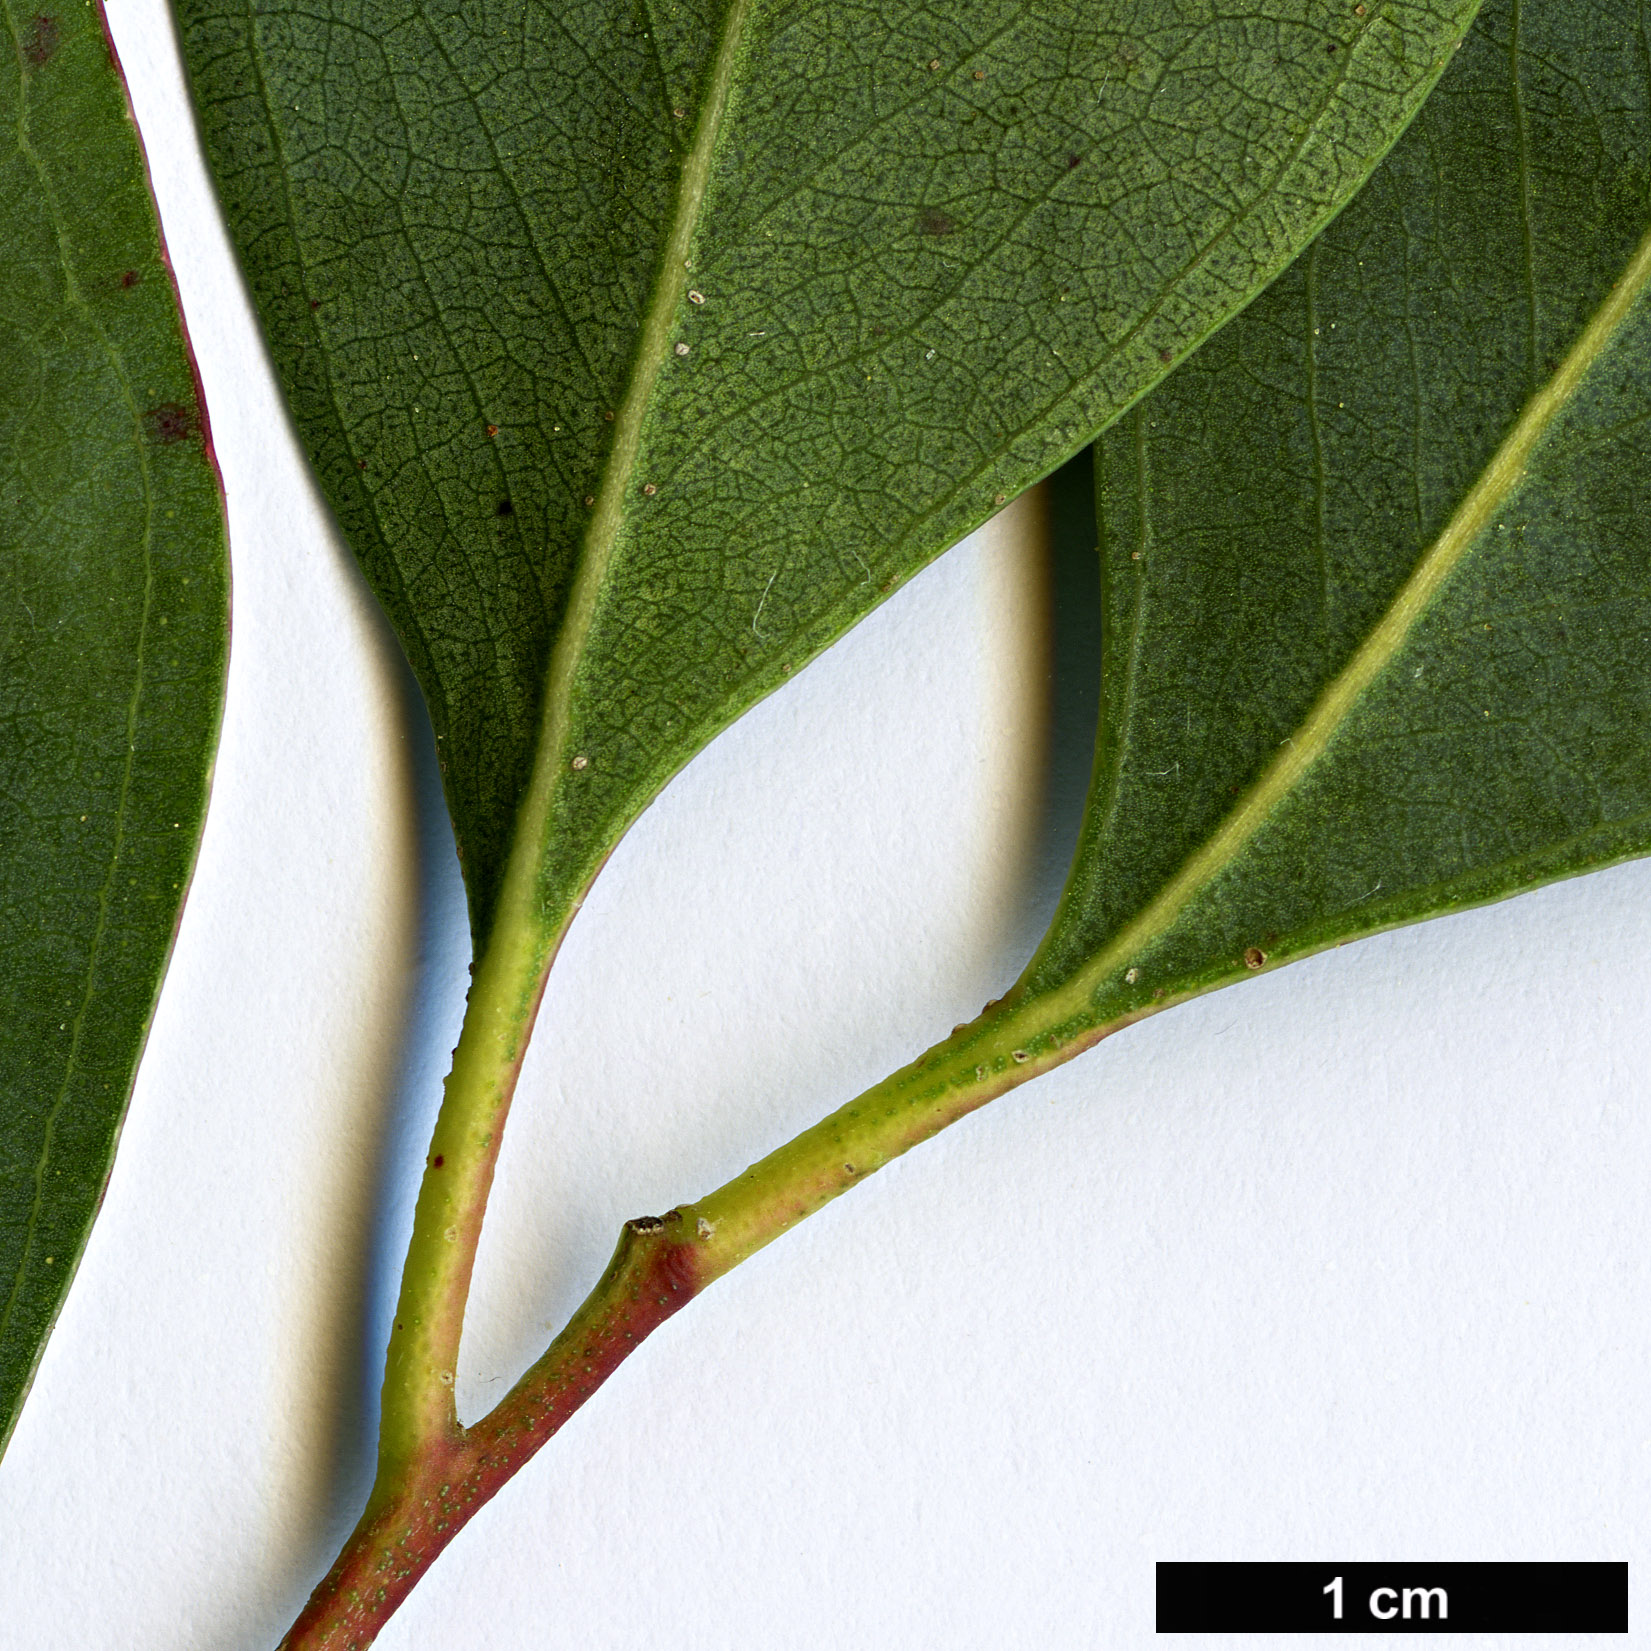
x=1349, y=1262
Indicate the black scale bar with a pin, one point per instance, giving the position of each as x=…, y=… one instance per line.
x=1393, y=1599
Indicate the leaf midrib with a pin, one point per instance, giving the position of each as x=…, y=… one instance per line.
x=534, y=816
x=1338, y=701
x=515, y=913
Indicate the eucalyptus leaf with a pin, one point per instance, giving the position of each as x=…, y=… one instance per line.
x=642, y=349
x=112, y=646
x=1377, y=563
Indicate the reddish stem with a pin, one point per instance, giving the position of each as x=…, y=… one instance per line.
x=427, y=1493
x=654, y=1272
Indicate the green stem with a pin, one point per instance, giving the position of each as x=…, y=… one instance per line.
x=418, y=1407
x=433, y=1480
x=419, y=1415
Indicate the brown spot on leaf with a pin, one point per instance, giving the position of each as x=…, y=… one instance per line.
x=1166, y=355
x=1072, y=161
x=506, y=508
x=130, y=278
x=171, y=422
x=438, y=1160
x=1254, y=957
x=315, y=303
x=40, y=40
x=931, y=222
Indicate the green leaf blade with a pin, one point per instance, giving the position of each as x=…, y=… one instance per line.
x=112, y=646
x=1377, y=611
x=929, y=260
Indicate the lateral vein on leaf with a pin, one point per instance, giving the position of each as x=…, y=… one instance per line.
x=1521, y=127
x=1314, y=734
x=514, y=195
x=284, y=172
x=1084, y=379
x=438, y=315
x=1137, y=623
x=869, y=135
x=1321, y=490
